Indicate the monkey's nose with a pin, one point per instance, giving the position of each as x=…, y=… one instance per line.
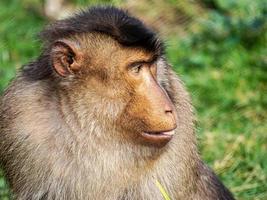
x=167, y=106
x=171, y=113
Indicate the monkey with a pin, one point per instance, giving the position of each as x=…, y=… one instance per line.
x=101, y=114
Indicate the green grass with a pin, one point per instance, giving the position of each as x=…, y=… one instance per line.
x=19, y=24
x=230, y=102
x=222, y=62
x=163, y=192
x=224, y=65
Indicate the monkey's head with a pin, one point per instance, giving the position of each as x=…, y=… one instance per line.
x=111, y=65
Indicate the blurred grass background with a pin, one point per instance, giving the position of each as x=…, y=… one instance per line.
x=219, y=49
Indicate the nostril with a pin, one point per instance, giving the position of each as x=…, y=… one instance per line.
x=168, y=111
x=170, y=117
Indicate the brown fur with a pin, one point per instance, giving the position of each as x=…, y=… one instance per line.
x=73, y=137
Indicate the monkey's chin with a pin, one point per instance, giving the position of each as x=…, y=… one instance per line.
x=158, y=137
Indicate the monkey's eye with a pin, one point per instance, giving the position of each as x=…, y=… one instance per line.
x=137, y=68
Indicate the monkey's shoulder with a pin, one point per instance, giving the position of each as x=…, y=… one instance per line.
x=26, y=104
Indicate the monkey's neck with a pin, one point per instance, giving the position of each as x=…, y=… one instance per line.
x=99, y=153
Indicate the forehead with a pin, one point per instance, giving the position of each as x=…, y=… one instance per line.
x=102, y=48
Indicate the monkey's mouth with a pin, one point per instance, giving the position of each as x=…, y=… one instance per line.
x=158, y=137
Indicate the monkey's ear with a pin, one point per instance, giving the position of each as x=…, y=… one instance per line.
x=66, y=57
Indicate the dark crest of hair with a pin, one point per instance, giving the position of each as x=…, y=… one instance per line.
x=117, y=23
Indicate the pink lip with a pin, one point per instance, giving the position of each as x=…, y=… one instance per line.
x=158, y=137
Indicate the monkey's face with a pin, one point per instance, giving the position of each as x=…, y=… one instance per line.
x=149, y=111
x=128, y=75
